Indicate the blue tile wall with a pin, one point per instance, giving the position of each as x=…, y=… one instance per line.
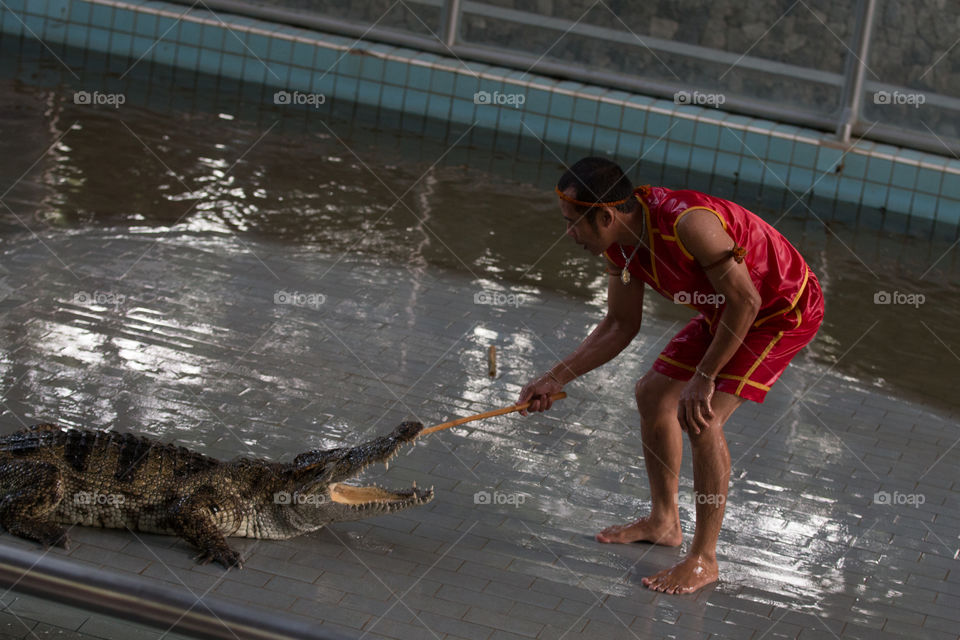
x=581, y=135
x=752, y=170
x=879, y=169
x=828, y=158
x=801, y=179
x=904, y=176
x=730, y=139
x=585, y=110
x=929, y=180
x=726, y=164
x=561, y=106
x=654, y=151
x=560, y=114
x=681, y=129
x=610, y=115
x=678, y=154
x=632, y=145
x=368, y=92
x=825, y=185
x=950, y=188
x=345, y=89
x=605, y=141
x=439, y=106
x=775, y=174
x=557, y=130
x=924, y=205
x=534, y=124
x=463, y=110
x=874, y=195
x=849, y=189
x=899, y=199
x=706, y=135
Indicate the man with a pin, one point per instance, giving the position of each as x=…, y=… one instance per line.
x=758, y=305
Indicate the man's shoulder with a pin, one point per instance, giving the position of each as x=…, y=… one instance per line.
x=681, y=199
x=675, y=203
x=672, y=204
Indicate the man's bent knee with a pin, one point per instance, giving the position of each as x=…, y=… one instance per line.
x=654, y=390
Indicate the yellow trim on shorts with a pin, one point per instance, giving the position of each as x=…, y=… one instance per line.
x=793, y=303
x=727, y=376
x=676, y=363
x=757, y=362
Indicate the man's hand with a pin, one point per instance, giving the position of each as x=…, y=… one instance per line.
x=695, y=409
x=538, y=393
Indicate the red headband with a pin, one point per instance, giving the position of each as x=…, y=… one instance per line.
x=612, y=203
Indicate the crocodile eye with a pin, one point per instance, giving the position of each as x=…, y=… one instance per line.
x=214, y=509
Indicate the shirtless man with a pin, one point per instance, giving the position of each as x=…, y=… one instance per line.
x=758, y=304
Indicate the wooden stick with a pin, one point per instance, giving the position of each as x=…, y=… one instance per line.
x=487, y=414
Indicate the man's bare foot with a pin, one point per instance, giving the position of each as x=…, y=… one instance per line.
x=687, y=576
x=643, y=530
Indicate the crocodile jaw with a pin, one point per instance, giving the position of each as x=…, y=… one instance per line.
x=376, y=499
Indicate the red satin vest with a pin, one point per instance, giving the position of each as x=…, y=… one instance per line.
x=776, y=268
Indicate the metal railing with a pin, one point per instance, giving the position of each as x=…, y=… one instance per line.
x=137, y=599
x=829, y=99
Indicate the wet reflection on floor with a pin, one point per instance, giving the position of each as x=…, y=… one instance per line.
x=247, y=288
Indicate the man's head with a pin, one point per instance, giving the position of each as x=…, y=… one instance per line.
x=601, y=191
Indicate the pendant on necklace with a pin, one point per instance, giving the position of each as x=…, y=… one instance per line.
x=625, y=276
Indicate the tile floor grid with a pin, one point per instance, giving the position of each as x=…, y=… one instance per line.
x=794, y=566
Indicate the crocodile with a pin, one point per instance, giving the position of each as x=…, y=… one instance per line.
x=52, y=478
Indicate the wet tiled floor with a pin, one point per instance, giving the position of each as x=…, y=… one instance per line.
x=842, y=515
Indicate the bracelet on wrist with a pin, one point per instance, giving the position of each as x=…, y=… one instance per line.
x=710, y=378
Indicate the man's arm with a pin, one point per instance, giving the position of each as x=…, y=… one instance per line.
x=705, y=239
x=610, y=337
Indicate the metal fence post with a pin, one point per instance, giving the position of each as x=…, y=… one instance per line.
x=853, y=82
x=451, y=22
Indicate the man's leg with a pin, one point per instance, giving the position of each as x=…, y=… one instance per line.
x=657, y=400
x=711, y=478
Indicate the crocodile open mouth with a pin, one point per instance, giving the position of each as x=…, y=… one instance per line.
x=372, y=497
x=368, y=496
